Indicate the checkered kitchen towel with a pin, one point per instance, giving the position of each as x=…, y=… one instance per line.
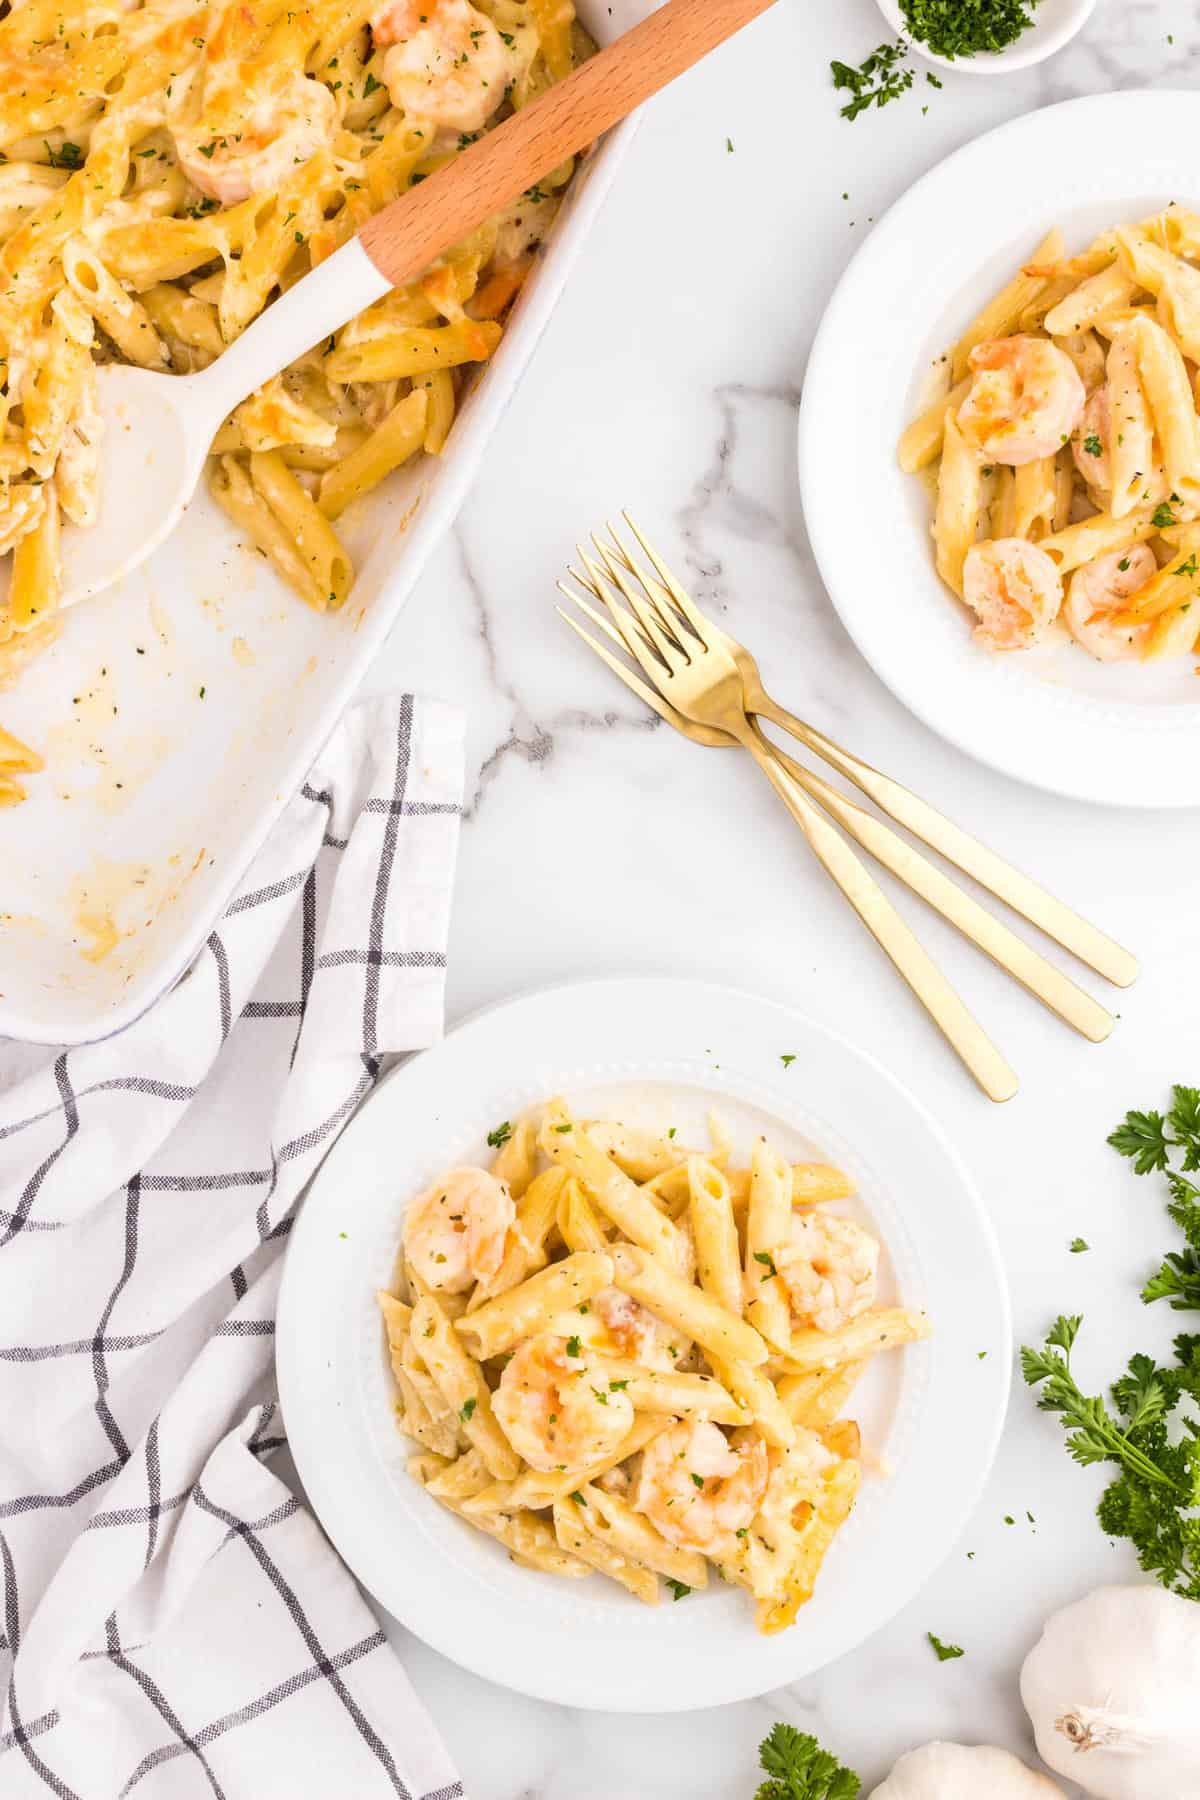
x=173, y=1623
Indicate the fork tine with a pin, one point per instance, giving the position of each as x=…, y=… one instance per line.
x=660, y=599
x=634, y=682
x=638, y=642
x=679, y=595
x=668, y=613
x=598, y=620
x=644, y=611
x=627, y=626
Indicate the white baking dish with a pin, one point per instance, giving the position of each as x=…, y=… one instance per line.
x=180, y=710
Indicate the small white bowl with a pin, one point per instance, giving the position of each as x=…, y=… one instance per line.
x=1055, y=23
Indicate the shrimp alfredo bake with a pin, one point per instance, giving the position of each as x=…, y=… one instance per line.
x=167, y=166
x=619, y=1354
x=1067, y=448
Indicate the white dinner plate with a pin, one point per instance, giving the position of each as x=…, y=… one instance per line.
x=654, y=1052
x=1124, y=734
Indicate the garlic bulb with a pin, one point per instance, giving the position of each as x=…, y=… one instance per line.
x=1113, y=1690
x=958, y=1772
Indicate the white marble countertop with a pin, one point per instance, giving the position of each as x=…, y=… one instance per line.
x=669, y=381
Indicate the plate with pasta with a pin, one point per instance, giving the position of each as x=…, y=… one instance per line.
x=168, y=167
x=696, y=1353
x=1022, y=433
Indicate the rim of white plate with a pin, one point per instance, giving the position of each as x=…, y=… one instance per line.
x=1057, y=720
x=698, y=1042
x=1055, y=23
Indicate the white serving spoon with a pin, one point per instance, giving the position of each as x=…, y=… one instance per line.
x=158, y=428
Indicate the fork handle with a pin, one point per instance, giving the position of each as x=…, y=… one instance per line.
x=1084, y=940
x=964, y=1033
x=1055, y=990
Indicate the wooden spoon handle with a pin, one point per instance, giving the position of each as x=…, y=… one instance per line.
x=489, y=175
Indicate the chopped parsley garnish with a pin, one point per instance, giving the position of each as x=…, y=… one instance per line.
x=787, y=1061
x=949, y=28
x=1092, y=445
x=1162, y=516
x=678, y=1588
x=578, y=1498
x=503, y=1132
x=562, y=1128
x=953, y=28
x=573, y=1347
x=944, y=1652
x=768, y=1261
x=1188, y=567
x=467, y=1408
x=879, y=78
x=1078, y=1245
x=618, y=1387
x=370, y=85
x=697, y=1479
x=67, y=156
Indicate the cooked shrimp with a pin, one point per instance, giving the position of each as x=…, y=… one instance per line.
x=557, y=1408
x=1025, y=401
x=455, y=1233
x=828, y=1269
x=448, y=63
x=256, y=124
x=1098, y=590
x=1090, y=445
x=1016, y=590
x=700, y=1487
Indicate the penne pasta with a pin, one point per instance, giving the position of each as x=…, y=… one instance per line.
x=630, y=1533
x=571, y=1528
x=768, y=1228
x=525, y=1310
x=609, y=1188
x=714, y=1229
x=1168, y=391
x=690, y=1309
x=460, y=1381
x=864, y=1336
x=959, y=503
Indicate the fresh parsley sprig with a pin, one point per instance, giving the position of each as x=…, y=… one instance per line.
x=1151, y=1430
x=1149, y=1140
x=1152, y=1500
x=798, y=1769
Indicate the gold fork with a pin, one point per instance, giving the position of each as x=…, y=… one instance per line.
x=1086, y=941
x=706, y=681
